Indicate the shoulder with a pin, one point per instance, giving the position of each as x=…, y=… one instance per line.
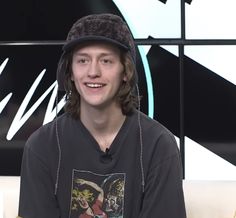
x=46, y=134
x=152, y=126
x=157, y=138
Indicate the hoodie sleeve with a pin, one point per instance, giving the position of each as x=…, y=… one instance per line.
x=163, y=195
x=37, y=197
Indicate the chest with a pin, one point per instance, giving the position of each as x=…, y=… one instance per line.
x=115, y=186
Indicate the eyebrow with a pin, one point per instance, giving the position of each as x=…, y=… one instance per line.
x=100, y=55
x=80, y=54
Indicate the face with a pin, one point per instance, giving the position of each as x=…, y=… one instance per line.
x=97, y=73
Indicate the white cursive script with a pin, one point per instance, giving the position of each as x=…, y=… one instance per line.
x=4, y=102
x=22, y=115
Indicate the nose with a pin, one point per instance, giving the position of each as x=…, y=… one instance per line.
x=94, y=70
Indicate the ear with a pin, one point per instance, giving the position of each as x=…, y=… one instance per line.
x=125, y=79
x=72, y=77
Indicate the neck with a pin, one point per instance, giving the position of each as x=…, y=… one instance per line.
x=103, y=125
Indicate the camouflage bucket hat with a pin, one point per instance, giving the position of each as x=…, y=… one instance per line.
x=97, y=27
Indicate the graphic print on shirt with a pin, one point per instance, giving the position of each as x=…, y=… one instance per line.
x=96, y=195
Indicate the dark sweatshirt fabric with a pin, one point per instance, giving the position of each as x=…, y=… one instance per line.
x=93, y=183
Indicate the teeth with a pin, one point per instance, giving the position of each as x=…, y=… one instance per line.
x=94, y=85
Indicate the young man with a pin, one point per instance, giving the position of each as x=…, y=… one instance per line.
x=102, y=157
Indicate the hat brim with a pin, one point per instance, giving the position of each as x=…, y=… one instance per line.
x=78, y=41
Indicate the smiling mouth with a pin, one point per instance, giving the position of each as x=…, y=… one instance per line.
x=94, y=85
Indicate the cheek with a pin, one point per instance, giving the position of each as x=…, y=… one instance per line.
x=76, y=81
x=74, y=72
x=120, y=81
x=73, y=75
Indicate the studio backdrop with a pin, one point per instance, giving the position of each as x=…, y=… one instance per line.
x=185, y=62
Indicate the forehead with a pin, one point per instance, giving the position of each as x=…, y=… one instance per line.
x=97, y=47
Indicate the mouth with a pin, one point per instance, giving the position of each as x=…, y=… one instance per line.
x=94, y=85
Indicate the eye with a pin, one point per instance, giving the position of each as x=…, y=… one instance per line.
x=82, y=60
x=106, y=61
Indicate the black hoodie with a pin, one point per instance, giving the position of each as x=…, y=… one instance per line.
x=66, y=175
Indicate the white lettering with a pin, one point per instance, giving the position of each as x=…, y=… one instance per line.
x=4, y=63
x=4, y=102
x=20, y=118
x=51, y=113
x=7, y=98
